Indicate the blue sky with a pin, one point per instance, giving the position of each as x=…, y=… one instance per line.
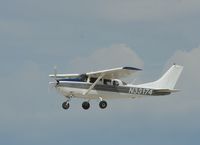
x=90, y=35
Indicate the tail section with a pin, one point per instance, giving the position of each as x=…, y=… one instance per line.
x=168, y=80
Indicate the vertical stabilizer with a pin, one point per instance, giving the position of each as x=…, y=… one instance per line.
x=168, y=80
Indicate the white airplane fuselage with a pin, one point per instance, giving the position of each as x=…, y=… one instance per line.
x=77, y=90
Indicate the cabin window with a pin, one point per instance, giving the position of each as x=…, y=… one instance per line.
x=107, y=82
x=115, y=83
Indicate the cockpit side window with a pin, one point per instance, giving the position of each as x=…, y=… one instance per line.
x=92, y=80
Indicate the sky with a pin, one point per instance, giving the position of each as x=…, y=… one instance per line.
x=80, y=36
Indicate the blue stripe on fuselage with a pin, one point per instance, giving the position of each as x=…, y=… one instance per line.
x=72, y=80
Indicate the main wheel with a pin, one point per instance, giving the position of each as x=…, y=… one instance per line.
x=86, y=105
x=65, y=105
x=103, y=104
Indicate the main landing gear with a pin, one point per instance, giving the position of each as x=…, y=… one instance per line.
x=65, y=105
x=103, y=104
x=86, y=105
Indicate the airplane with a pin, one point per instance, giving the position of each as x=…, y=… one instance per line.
x=106, y=84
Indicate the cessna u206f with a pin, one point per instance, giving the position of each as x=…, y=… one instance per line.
x=106, y=84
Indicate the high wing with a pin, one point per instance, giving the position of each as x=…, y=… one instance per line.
x=115, y=73
x=62, y=76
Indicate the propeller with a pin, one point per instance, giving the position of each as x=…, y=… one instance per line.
x=53, y=84
x=55, y=72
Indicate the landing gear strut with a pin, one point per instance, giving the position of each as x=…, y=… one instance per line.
x=103, y=104
x=65, y=105
x=86, y=105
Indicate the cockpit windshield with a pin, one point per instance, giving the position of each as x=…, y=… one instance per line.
x=83, y=77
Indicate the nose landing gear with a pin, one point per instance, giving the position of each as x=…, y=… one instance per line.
x=66, y=105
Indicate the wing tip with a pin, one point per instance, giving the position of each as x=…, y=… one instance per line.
x=132, y=68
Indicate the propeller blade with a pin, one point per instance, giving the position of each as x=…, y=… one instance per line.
x=55, y=72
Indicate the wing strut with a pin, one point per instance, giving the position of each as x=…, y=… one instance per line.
x=93, y=85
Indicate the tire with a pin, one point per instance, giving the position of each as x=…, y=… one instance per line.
x=86, y=105
x=103, y=104
x=65, y=105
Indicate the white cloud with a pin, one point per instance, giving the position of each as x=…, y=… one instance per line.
x=187, y=101
x=115, y=56
x=190, y=61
